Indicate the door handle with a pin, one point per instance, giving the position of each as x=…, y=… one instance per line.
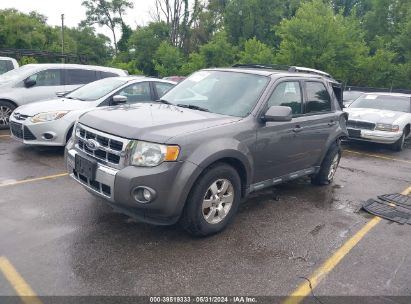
x=298, y=129
x=332, y=123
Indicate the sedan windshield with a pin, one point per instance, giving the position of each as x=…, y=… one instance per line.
x=96, y=89
x=228, y=93
x=383, y=102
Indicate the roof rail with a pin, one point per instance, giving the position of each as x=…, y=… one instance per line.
x=282, y=68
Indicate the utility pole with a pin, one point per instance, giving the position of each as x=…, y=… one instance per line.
x=62, y=38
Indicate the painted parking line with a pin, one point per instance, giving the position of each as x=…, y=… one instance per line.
x=5, y=136
x=21, y=287
x=379, y=156
x=30, y=180
x=305, y=288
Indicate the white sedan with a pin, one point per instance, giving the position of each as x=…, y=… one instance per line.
x=51, y=122
x=380, y=117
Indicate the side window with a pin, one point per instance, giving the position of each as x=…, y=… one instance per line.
x=107, y=74
x=287, y=94
x=162, y=88
x=47, y=78
x=318, y=98
x=137, y=92
x=76, y=76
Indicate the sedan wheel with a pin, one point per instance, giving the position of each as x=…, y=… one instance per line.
x=5, y=113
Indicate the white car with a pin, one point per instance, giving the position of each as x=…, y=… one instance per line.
x=8, y=64
x=380, y=117
x=51, y=122
x=35, y=82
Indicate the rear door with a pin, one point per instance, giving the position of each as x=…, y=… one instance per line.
x=318, y=122
x=74, y=78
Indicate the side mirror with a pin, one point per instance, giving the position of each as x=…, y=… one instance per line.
x=28, y=83
x=278, y=113
x=118, y=99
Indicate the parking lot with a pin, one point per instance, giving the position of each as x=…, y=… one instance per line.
x=56, y=239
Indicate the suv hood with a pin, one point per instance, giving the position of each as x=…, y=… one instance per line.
x=373, y=115
x=152, y=122
x=59, y=104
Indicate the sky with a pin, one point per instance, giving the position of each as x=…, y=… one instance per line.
x=74, y=12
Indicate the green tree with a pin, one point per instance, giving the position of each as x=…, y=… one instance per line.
x=144, y=42
x=195, y=62
x=106, y=13
x=318, y=38
x=256, y=52
x=167, y=60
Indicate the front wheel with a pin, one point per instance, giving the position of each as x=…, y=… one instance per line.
x=6, y=108
x=328, y=167
x=213, y=201
x=399, y=144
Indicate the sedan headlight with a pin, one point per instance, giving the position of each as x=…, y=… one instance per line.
x=387, y=127
x=48, y=116
x=146, y=154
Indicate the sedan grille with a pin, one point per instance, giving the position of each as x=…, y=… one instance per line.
x=362, y=125
x=21, y=132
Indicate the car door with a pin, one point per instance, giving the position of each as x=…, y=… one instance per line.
x=47, y=84
x=137, y=92
x=74, y=78
x=278, y=149
x=318, y=122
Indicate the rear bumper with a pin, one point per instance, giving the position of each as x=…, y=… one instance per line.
x=381, y=137
x=168, y=180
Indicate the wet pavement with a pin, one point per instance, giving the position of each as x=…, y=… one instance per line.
x=63, y=241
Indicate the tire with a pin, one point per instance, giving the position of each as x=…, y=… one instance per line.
x=213, y=188
x=399, y=144
x=328, y=167
x=6, y=108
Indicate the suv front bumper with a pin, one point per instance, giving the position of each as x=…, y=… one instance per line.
x=168, y=180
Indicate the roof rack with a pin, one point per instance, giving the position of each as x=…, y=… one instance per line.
x=282, y=68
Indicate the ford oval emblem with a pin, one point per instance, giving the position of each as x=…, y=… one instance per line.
x=92, y=144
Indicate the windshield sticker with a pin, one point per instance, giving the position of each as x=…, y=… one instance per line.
x=199, y=76
x=371, y=97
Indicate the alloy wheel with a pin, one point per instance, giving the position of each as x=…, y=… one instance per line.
x=217, y=201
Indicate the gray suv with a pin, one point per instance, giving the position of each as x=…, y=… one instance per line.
x=211, y=140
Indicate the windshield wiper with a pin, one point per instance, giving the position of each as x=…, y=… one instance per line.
x=193, y=107
x=164, y=101
x=75, y=98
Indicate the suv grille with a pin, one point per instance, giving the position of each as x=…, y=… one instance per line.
x=109, y=149
x=357, y=124
x=21, y=132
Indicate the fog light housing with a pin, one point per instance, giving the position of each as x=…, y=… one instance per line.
x=143, y=194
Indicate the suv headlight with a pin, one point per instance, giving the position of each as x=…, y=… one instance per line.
x=48, y=116
x=387, y=127
x=146, y=154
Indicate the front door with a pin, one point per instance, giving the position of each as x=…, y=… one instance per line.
x=278, y=148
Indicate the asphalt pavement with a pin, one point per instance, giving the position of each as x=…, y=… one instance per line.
x=63, y=241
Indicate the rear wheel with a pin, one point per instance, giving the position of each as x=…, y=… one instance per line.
x=328, y=167
x=6, y=108
x=213, y=201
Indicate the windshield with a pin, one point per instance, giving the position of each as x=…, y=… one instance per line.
x=96, y=89
x=16, y=74
x=384, y=102
x=228, y=93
